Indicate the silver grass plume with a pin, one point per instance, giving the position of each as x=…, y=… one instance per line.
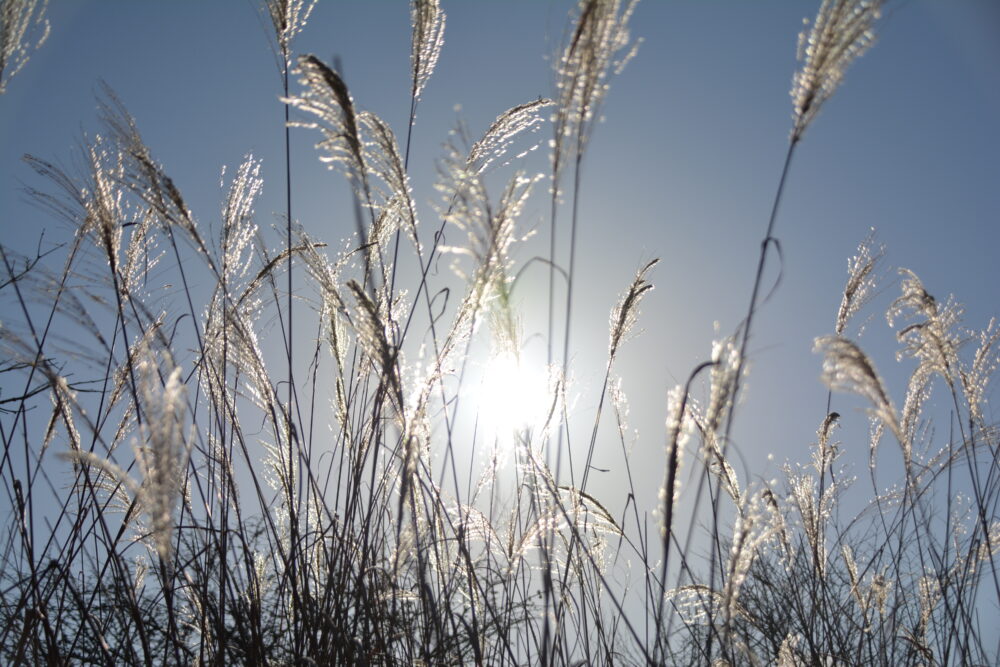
x=490, y=232
x=327, y=98
x=694, y=604
x=288, y=17
x=238, y=228
x=825, y=452
x=861, y=281
x=847, y=368
x=976, y=378
x=19, y=352
x=490, y=229
x=491, y=243
x=243, y=354
x=619, y=402
x=161, y=456
x=65, y=399
x=876, y=429
x=505, y=129
x=373, y=335
x=726, y=367
x=918, y=391
x=384, y=159
x=712, y=453
x=586, y=64
x=842, y=31
x=228, y=319
x=94, y=204
x=678, y=431
x=852, y=574
x=384, y=162
x=599, y=518
x=932, y=339
x=250, y=291
x=815, y=507
x=626, y=311
x=720, y=466
x=779, y=526
x=428, y=36
x=466, y=201
x=334, y=314
x=788, y=652
x=23, y=27
x=141, y=254
x=151, y=333
x=143, y=176
x=748, y=536
x=879, y=590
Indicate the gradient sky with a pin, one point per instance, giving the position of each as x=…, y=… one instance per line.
x=683, y=168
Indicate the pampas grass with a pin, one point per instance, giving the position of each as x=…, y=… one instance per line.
x=180, y=489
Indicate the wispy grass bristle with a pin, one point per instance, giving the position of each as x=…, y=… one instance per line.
x=23, y=28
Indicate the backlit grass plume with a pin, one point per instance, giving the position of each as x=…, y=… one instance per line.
x=161, y=451
x=288, y=17
x=861, y=281
x=588, y=60
x=847, y=368
x=428, y=36
x=326, y=97
x=842, y=31
x=23, y=27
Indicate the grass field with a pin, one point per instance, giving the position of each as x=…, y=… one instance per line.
x=228, y=441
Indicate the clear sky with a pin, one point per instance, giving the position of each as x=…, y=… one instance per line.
x=684, y=167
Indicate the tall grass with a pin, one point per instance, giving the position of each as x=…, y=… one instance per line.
x=191, y=496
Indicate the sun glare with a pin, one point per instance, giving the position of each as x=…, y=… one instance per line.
x=513, y=395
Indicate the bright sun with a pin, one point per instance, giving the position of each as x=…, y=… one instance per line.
x=513, y=395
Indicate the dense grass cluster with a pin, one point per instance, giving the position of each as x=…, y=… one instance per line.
x=178, y=490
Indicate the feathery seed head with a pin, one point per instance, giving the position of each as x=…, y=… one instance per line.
x=984, y=364
x=842, y=31
x=825, y=452
x=880, y=588
x=327, y=98
x=748, y=536
x=726, y=365
x=238, y=228
x=626, y=311
x=489, y=228
x=788, y=652
x=679, y=424
x=600, y=31
x=861, y=280
x=163, y=457
x=932, y=339
x=23, y=27
x=288, y=17
x=505, y=129
x=847, y=368
x=428, y=37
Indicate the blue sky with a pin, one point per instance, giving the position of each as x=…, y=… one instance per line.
x=684, y=167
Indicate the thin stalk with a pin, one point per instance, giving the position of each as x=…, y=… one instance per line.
x=744, y=340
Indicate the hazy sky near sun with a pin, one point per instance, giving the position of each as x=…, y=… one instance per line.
x=684, y=167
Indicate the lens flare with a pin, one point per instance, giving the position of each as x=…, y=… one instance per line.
x=513, y=395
